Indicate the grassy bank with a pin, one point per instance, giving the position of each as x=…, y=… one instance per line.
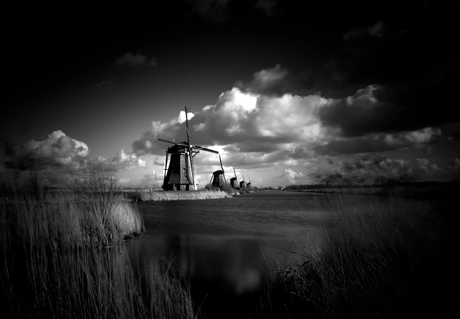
x=177, y=195
x=392, y=258
x=62, y=256
x=67, y=219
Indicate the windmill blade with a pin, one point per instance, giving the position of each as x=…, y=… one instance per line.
x=186, y=126
x=205, y=149
x=181, y=144
x=166, y=141
x=221, y=166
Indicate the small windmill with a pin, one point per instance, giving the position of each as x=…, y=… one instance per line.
x=234, y=180
x=180, y=173
x=242, y=183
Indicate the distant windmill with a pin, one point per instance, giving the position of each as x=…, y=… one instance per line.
x=180, y=173
x=248, y=185
x=234, y=180
x=243, y=183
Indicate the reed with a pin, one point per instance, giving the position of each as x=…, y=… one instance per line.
x=382, y=258
x=62, y=256
x=89, y=283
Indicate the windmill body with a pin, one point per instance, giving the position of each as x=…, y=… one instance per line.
x=234, y=182
x=179, y=175
x=179, y=170
x=218, y=179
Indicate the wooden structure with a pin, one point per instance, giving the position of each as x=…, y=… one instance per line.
x=218, y=180
x=179, y=172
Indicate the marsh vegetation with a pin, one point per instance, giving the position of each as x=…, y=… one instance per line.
x=63, y=256
x=66, y=254
x=379, y=260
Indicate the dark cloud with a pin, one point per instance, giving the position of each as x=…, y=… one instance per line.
x=413, y=62
x=300, y=153
x=135, y=60
x=409, y=42
x=377, y=109
x=219, y=11
x=376, y=168
x=380, y=142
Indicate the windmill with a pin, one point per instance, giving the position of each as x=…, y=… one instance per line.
x=248, y=185
x=234, y=180
x=180, y=173
x=243, y=183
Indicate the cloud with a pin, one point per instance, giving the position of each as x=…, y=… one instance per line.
x=56, y=149
x=219, y=11
x=455, y=165
x=129, y=59
x=376, y=168
x=376, y=30
x=274, y=81
x=104, y=85
x=267, y=6
x=153, y=179
x=59, y=159
x=246, y=122
x=290, y=176
x=380, y=142
x=416, y=81
x=173, y=130
x=257, y=130
x=214, y=10
x=261, y=125
x=120, y=162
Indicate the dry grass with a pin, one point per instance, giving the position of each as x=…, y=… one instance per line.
x=383, y=258
x=62, y=256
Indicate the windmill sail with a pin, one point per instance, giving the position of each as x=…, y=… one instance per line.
x=180, y=173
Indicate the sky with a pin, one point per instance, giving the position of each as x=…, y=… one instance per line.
x=288, y=92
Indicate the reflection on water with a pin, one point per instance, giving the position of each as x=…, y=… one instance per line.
x=227, y=247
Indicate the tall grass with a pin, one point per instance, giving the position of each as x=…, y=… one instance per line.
x=382, y=258
x=56, y=261
x=88, y=283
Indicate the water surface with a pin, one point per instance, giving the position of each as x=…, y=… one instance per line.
x=228, y=248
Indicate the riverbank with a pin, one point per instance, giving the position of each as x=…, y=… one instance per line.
x=148, y=195
x=64, y=255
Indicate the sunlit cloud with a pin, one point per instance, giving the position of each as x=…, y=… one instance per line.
x=60, y=159
x=253, y=130
x=120, y=161
x=290, y=177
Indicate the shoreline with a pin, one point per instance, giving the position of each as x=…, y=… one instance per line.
x=155, y=195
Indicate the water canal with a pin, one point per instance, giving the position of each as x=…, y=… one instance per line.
x=228, y=248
